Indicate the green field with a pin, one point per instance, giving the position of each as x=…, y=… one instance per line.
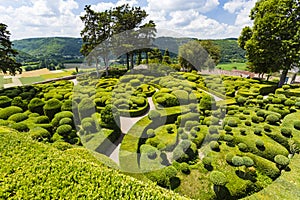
x=232, y=66
x=30, y=80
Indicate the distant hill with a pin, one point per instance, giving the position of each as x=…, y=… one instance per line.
x=64, y=49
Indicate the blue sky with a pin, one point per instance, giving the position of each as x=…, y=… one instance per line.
x=204, y=19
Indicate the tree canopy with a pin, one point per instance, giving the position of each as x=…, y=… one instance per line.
x=273, y=44
x=105, y=32
x=7, y=53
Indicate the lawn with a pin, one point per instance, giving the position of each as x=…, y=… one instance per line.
x=56, y=75
x=232, y=66
x=30, y=80
x=7, y=80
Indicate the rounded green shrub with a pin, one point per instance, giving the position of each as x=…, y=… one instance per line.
x=232, y=123
x=243, y=147
x=213, y=130
x=243, y=131
x=257, y=131
x=110, y=116
x=5, y=113
x=218, y=178
x=18, y=117
x=248, y=162
x=281, y=160
x=185, y=168
x=154, y=115
x=66, y=120
x=67, y=105
x=296, y=124
x=286, y=132
x=36, y=106
x=86, y=108
x=267, y=128
x=52, y=107
x=286, y=87
x=229, y=157
x=246, y=112
x=237, y=161
x=227, y=128
x=214, y=145
x=272, y=119
x=255, y=119
x=20, y=126
x=289, y=102
x=64, y=130
x=241, y=100
x=17, y=101
x=191, y=124
x=42, y=120
x=5, y=101
x=150, y=133
x=40, y=134
x=259, y=144
x=247, y=123
x=207, y=161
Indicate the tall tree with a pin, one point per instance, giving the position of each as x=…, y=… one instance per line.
x=96, y=36
x=166, y=58
x=212, y=49
x=273, y=44
x=7, y=53
x=192, y=56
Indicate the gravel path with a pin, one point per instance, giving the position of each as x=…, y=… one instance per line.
x=15, y=81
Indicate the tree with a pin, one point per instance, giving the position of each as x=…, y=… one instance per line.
x=218, y=179
x=96, y=35
x=155, y=55
x=213, y=50
x=166, y=58
x=273, y=44
x=192, y=56
x=7, y=53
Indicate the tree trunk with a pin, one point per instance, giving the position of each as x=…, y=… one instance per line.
x=147, y=58
x=293, y=78
x=131, y=60
x=127, y=60
x=283, y=77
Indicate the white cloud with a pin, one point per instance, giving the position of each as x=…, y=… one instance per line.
x=40, y=18
x=108, y=5
x=242, y=10
x=202, y=6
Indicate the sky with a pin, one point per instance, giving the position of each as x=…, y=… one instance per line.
x=203, y=19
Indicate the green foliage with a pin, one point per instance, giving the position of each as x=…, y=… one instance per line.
x=281, y=160
x=237, y=161
x=18, y=117
x=272, y=119
x=259, y=144
x=36, y=106
x=154, y=115
x=86, y=108
x=20, y=126
x=5, y=113
x=17, y=101
x=39, y=134
x=64, y=130
x=286, y=132
x=218, y=178
x=5, y=101
x=243, y=147
x=248, y=162
x=214, y=145
x=110, y=116
x=207, y=102
x=297, y=124
x=52, y=107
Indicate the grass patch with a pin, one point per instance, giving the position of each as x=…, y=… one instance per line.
x=56, y=75
x=232, y=66
x=30, y=80
x=7, y=80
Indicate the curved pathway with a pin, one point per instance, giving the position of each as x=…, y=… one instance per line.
x=126, y=124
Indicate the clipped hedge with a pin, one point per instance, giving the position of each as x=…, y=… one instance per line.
x=5, y=113
x=36, y=106
x=5, y=101
x=52, y=107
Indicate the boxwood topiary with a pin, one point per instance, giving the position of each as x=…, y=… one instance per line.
x=66, y=120
x=21, y=127
x=18, y=117
x=297, y=124
x=5, y=101
x=259, y=144
x=243, y=147
x=52, y=107
x=42, y=120
x=281, y=161
x=5, y=113
x=67, y=106
x=214, y=145
x=286, y=132
x=272, y=119
x=17, y=101
x=40, y=134
x=247, y=123
x=154, y=115
x=257, y=131
x=36, y=106
x=86, y=108
x=232, y=123
x=64, y=130
x=185, y=168
x=218, y=178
